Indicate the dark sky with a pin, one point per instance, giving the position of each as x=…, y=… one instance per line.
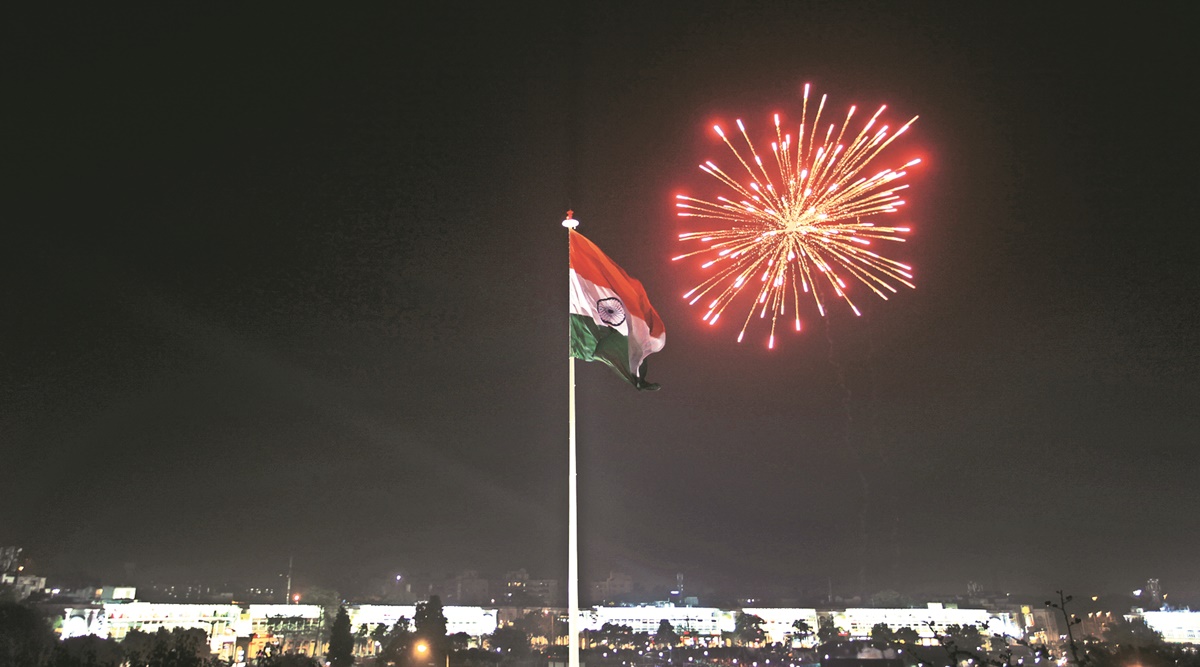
x=285, y=283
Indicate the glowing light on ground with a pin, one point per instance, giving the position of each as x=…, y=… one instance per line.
x=802, y=221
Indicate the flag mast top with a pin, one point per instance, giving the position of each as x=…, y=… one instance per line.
x=570, y=222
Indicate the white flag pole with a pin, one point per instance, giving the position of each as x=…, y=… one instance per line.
x=573, y=505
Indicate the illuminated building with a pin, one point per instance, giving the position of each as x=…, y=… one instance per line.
x=700, y=622
x=1176, y=627
x=474, y=621
x=856, y=623
x=860, y=621
x=294, y=627
x=222, y=623
x=777, y=621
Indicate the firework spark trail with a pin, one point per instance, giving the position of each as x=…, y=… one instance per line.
x=797, y=226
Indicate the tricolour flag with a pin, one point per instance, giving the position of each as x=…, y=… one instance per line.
x=611, y=316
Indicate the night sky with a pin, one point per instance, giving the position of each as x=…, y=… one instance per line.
x=295, y=284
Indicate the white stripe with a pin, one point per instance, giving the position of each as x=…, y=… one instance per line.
x=584, y=296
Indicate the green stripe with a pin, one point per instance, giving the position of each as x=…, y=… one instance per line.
x=592, y=342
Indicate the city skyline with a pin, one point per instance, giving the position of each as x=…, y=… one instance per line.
x=294, y=285
x=517, y=589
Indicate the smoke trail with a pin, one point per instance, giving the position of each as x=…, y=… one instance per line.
x=859, y=459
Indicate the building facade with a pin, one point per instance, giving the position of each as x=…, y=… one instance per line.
x=1176, y=627
x=702, y=622
x=234, y=629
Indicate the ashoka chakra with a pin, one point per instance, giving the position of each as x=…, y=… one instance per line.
x=612, y=311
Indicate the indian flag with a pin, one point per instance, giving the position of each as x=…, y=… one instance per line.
x=611, y=316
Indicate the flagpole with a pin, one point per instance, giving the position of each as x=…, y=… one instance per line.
x=572, y=501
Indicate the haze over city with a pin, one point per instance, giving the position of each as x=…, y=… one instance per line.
x=292, y=285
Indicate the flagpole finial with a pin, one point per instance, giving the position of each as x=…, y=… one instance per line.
x=570, y=222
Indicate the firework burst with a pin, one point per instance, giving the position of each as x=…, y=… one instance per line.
x=798, y=221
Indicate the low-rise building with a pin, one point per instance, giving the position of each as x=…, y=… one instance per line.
x=933, y=619
x=778, y=622
x=474, y=621
x=701, y=622
x=24, y=585
x=1176, y=627
x=222, y=623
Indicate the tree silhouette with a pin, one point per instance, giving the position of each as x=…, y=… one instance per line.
x=966, y=637
x=963, y=644
x=341, y=641
x=510, y=641
x=666, y=635
x=802, y=629
x=430, y=622
x=25, y=636
x=175, y=648
x=88, y=651
x=1071, y=621
x=397, y=644
x=906, y=635
x=826, y=630
x=748, y=629
x=882, y=635
x=1133, y=632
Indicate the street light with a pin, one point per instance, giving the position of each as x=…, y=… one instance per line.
x=423, y=649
